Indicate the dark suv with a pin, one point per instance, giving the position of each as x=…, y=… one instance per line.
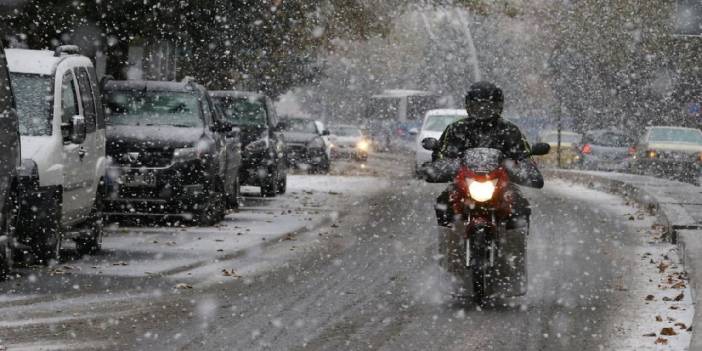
x=263, y=144
x=9, y=163
x=170, y=151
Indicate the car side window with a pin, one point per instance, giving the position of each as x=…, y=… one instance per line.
x=86, y=95
x=97, y=98
x=69, y=98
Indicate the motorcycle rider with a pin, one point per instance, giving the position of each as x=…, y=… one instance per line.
x=485, y=128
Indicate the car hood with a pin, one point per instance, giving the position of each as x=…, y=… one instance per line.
x=151, y=137
x=299, y=138
x=345, y=140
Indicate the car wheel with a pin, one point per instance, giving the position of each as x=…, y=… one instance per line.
x=270, y=186
x=8, y=229
x=92, y=243
x=236, y=192
x=47, y=224
x=212, y=209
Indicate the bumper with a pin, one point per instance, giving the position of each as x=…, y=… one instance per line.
x=297, y=155
x=604, y=165
x=168, y=190
x=339, y=151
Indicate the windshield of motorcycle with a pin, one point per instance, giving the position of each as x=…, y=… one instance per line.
x=483, y=160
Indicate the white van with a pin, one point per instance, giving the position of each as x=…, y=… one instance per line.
x=435, y=121
x=62, y=131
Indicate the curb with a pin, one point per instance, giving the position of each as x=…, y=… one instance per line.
x=679, y=227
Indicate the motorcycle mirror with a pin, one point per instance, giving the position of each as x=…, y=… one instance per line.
x=430, y=144
x=540, y=149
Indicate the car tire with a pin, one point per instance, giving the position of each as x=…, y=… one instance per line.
x=213, y=208
x=270, y=186
x=233, y=201
x=283, y=184
x=47, y=221
x=92, y=243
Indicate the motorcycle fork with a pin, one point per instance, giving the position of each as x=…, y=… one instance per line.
x=489, y=228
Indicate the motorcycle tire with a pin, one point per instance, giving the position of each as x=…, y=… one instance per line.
x=479, y=262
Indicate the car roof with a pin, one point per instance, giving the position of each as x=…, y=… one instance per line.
x=237, y=93
x=446, y=111
x=151, y=85
x=42, y=62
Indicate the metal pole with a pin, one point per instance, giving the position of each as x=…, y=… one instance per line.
x=558, y=147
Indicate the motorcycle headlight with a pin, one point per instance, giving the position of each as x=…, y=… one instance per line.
x=316, y=143
x=258, y=145
x=481, y=191
x=363, y=145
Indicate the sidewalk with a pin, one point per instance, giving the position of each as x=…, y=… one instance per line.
x=678, y=207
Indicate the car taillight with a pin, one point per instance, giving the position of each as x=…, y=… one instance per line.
x=586, y=149
x=632, y=151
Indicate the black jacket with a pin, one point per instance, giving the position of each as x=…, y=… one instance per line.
x=498, y=133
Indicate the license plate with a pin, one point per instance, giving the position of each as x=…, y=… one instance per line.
x=138, y=179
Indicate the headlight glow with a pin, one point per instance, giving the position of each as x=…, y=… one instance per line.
x=481, y=191
x=363, y=145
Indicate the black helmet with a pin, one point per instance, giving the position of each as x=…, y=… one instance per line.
x=484, y=100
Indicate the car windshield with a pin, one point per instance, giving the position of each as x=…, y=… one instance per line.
x=612, y=140
x=347, y=132
x=242, y=110
x=676, y=136
x=439, y=123
x=153, y=108
x=33, y=99
x=569, y=138
x=300, y=126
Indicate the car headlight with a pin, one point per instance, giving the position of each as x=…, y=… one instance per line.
x=316, y=143
x=199, y=151
x=481, y=191
x=258, y=145
x=363, y=145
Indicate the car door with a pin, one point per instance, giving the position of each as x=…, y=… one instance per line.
x=327, y=142
x=231, y=145
x=94, y=143
x=74, y=154
x=217, y=137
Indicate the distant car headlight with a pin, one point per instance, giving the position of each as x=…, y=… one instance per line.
x=363, y=145
x=258, y=145
x=316, y=143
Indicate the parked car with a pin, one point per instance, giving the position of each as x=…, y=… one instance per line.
x=262, y=141
x=349, y=141
x=569, y=152
x=434, y=124
x=9, y=164
x=170, y=152
x=63, y=148
x=605, y=149
x=307, y=147
x=674, y=152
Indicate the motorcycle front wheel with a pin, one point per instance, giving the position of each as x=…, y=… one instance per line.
x=479, y=261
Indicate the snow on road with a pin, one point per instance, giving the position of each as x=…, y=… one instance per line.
x=184, y=255
x=659, y=309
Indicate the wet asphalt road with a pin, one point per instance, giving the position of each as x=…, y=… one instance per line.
x=370, y=282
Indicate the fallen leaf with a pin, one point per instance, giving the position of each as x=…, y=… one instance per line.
x=678, y=285
x=679, y=297
x=183, y=286
x=681, y=325
x=662, y=267
x=666, y=298
x=659, y=319
x=661, y=341
x=650, y=334
x=230, y=273
x=121, y=263
x=674, y=307
x=668, y=331
x=650, y=297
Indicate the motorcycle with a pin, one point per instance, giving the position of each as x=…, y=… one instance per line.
x=485, y=247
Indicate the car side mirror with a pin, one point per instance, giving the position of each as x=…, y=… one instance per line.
x=540, y=149
x=430, y=144
x=325, y=133
x=74, y=132
x=413, y=131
